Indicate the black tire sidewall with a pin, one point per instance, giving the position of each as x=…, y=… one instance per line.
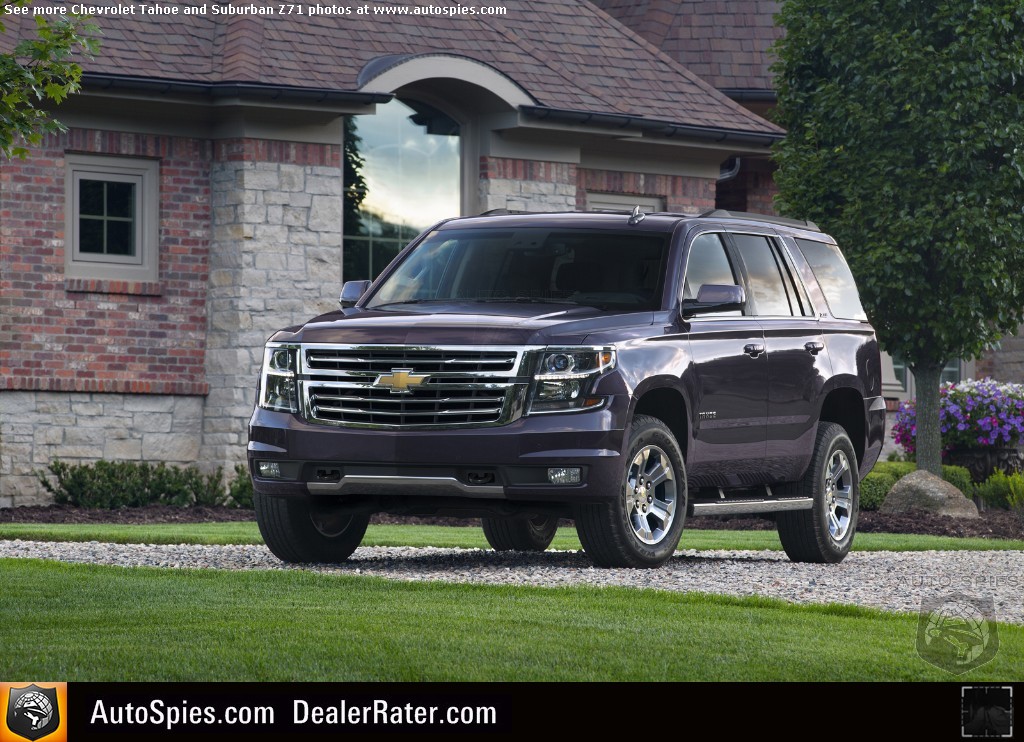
x=839, y=440
x=646, y=432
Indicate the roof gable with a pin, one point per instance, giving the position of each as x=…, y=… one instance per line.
x=566, y=54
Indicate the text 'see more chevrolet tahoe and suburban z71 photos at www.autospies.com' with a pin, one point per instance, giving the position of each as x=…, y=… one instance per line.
x=623, y=370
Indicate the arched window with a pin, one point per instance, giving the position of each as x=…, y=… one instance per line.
x=402, y=171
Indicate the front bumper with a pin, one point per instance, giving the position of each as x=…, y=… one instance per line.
x=507, y=462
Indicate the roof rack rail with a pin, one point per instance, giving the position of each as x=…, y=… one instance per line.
x=503, y=212
x=785, y=221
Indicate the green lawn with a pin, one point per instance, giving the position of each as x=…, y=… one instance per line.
x=83, y=622
x=467, y=538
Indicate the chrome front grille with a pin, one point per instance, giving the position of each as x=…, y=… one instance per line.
x=387, y=386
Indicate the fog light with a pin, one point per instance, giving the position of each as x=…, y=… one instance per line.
x=269, y=469
x=564, y=475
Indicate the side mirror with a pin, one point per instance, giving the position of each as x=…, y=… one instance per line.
x=351, y=292
x=712, y=297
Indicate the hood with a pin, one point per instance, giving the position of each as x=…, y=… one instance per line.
x=463, y=324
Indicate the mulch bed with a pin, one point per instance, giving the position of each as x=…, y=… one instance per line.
x=991, y=524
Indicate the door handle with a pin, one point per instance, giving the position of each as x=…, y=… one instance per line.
x=753, y=349
x=814, y=347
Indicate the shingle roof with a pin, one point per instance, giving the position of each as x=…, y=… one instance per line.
x=566, y=54
x=725, y=43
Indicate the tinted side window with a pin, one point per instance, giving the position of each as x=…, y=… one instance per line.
x=706, y=263
x=834, y=277
x=767, y=289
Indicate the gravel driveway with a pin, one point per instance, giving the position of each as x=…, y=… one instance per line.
x=895, y=581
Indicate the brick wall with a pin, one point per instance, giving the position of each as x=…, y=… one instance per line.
x=528, y=185
x=682, y=194
x=91, y=368
x=87, y=335
x=753, y=189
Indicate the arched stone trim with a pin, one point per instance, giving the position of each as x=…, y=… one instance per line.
x=390, y=73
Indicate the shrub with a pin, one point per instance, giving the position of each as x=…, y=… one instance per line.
x=1015, y=498
x=959, y=477
x=874, y=487
x=240, y=488
x=996, y=490
x=898, y=469
x=121, y=484
x=972, y=414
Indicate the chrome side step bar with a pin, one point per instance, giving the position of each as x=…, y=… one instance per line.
x=741, y=507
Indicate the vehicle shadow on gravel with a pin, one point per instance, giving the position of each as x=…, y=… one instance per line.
x=480, y=559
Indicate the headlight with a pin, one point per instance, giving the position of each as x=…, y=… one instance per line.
x=565, y=377
x=278, y=387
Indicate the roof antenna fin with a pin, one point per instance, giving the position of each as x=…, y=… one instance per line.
x=637, y=216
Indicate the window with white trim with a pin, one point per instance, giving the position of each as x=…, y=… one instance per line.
x=111, y=214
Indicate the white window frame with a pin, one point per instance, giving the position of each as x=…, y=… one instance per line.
x=145, y=174
x=624, y=202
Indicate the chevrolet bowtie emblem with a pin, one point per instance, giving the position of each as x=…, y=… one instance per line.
x=400, y=379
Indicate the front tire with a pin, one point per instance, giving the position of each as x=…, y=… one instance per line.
x=520, y=534
x=297, y=529
x=642, y=526
x=824, y=534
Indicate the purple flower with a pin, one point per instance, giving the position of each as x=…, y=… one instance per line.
x=971, y=414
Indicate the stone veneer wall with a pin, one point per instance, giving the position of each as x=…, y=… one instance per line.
x=526, y=185
x=39, y=426
x=276, y=261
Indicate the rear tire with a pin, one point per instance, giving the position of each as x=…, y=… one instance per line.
x=296, y=529
x=824, y=534
x=642, y=525
x=520, y=534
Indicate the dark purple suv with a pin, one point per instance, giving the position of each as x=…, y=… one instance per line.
x=622, y=370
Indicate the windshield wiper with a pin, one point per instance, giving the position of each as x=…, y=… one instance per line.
x=407, y=301
x=522, y=300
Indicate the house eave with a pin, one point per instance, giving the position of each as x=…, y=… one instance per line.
x=652, y=127
x=235, y=91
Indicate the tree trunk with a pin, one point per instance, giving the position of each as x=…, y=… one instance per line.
x=929, y=438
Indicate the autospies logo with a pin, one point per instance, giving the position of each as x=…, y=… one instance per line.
x=33, y=711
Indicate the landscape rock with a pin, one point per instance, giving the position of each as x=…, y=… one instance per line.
x=922, y=490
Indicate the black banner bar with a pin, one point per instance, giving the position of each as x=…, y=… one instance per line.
x=197, y=711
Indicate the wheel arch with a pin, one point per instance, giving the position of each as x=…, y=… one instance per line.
x=666, y=403
x=845, y=406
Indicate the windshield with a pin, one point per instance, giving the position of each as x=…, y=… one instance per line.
x=571, y=266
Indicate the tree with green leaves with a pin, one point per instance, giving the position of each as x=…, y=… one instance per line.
x=38, y=70
x=905, y=141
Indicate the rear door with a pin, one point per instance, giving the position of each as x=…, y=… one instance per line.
x=798, y=363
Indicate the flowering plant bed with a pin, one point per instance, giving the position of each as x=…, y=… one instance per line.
x=972, y=414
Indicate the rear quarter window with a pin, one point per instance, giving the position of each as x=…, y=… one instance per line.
x=835, y=278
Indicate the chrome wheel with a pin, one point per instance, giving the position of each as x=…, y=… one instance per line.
x=838, y=495
x=651, y=492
